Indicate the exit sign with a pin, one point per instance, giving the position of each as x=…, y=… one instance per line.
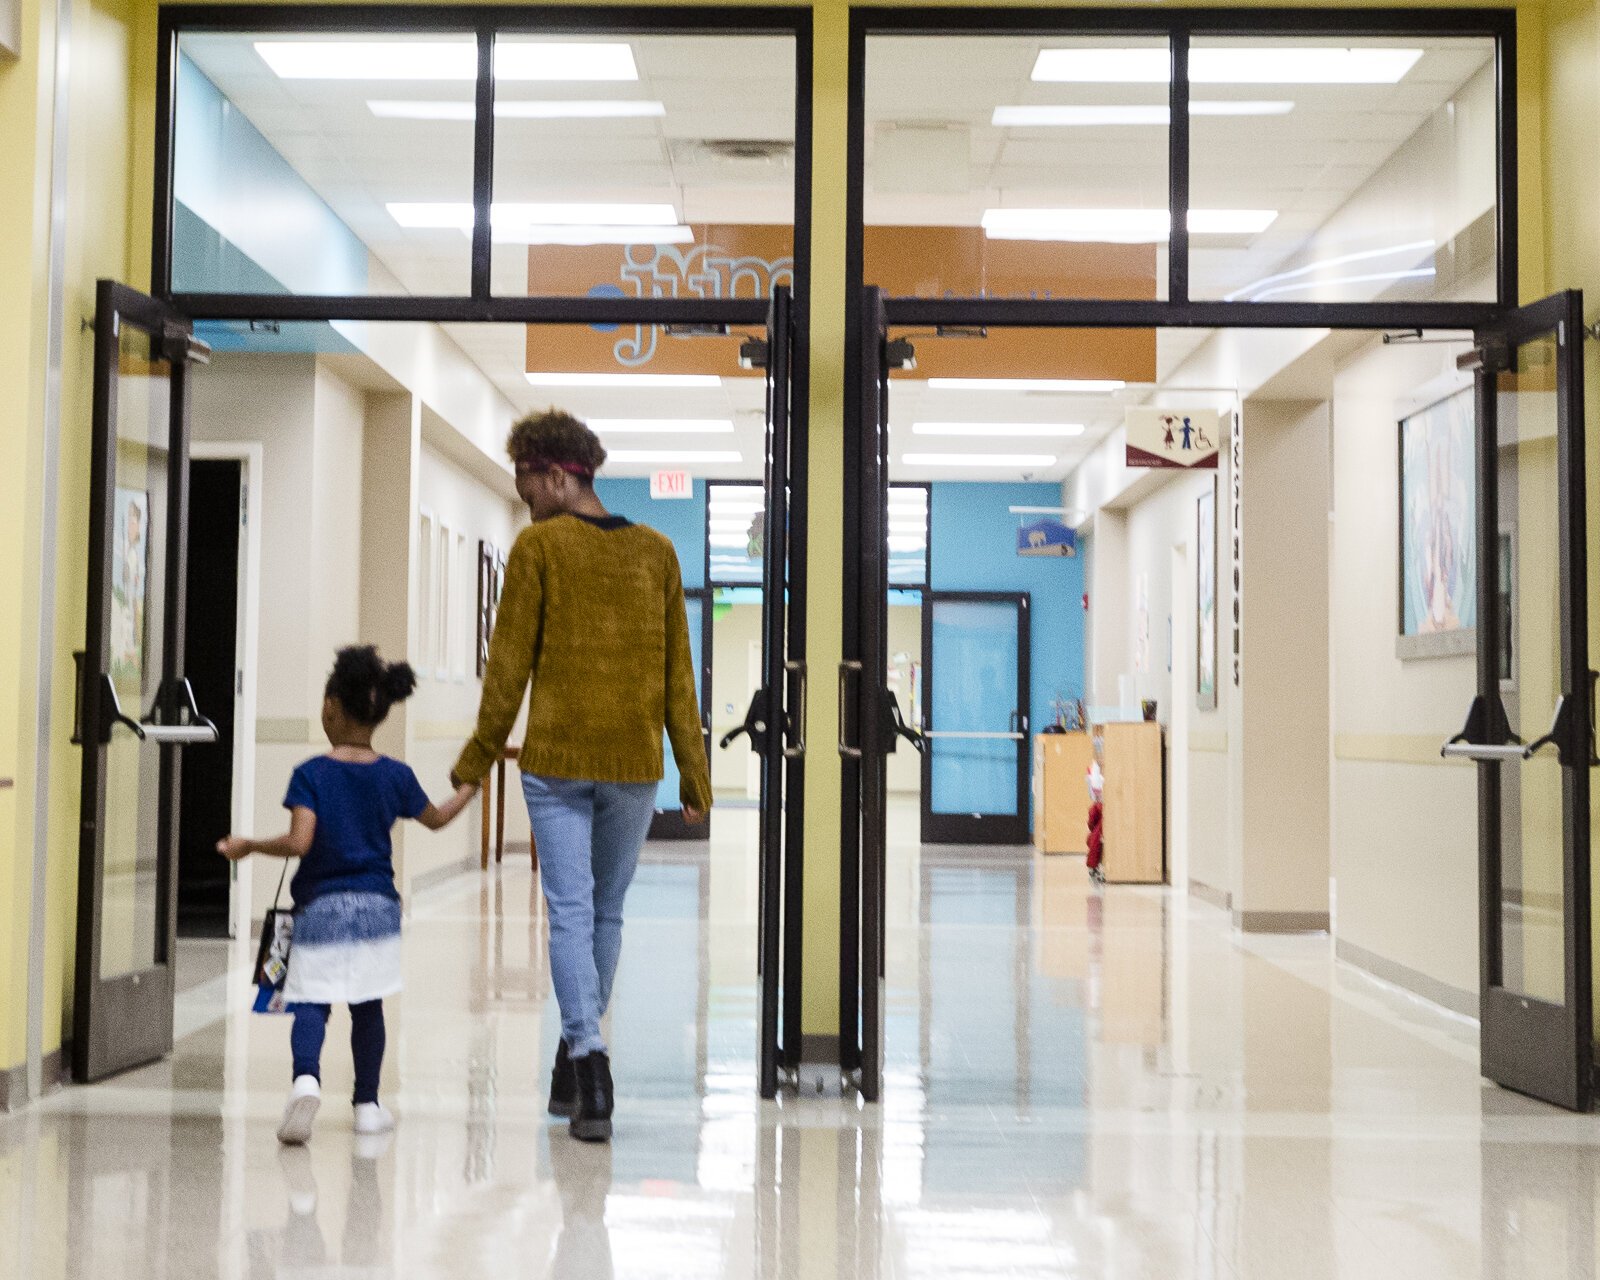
x=671, y=484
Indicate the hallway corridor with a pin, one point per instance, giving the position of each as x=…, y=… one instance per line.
x=1080, y=1083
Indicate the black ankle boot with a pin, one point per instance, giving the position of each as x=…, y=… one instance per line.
x=563, y=1084
x=591, y=1120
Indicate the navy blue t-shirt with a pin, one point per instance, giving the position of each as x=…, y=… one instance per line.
x=356, y=806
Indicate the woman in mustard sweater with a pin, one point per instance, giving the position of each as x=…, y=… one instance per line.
x=592, y=617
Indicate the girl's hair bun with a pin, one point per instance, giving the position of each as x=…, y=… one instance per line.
x=399, y=681
x=366, y=686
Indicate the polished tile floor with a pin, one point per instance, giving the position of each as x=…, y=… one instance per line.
x=1080, y=1083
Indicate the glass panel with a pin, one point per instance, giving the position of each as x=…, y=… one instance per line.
x=138, y=553
x=973, y=690
x=644, y=166
x=667, y=797
x=908, y=535
x=1017, y=166
x=324, y=164
x=1532, y=900
x=735, y=524
x=1355, y=170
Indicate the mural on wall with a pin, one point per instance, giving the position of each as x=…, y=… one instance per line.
x=1438, y=522
x=1206, y=599
x=130, y=576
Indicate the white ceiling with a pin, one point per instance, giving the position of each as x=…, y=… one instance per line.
x=932, y=157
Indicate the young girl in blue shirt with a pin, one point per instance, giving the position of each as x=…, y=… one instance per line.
x=346, y=946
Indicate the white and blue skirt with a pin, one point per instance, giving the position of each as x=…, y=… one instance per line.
x=346, y=950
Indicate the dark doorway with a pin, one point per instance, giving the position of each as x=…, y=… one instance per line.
x=211, y=644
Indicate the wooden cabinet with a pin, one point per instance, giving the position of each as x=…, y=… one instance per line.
x=1134, y=761
x=1061, y=792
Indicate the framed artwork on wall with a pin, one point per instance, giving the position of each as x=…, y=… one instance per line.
x=491, y=582
x=1205, y=598
x=1438, y=564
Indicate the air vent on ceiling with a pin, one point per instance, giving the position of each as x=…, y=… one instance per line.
x=746, y=153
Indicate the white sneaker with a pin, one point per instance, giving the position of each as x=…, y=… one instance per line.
x=373, y=1117
x=304, y=1099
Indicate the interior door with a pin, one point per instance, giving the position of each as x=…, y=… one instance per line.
x=136, y=709
x=975, y=717
x=668, y=823
x=776, y=735
x=1530, y=728
x=868, y=711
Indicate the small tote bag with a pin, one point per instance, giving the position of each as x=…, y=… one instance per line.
x=272, y=954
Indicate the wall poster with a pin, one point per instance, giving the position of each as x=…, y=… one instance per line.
x=1438, y=605
x=1205, y=596
x=130, y=579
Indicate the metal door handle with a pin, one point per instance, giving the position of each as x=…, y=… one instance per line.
x=1484, y=752
x=797, y=725
x=198, y=732
x=846, y=670
x=953, y=733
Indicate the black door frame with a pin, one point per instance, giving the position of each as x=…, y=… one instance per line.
x=481, y=305
x=126, y=1020
x=1534, y=1046
x=988, y=828
x=861, y=830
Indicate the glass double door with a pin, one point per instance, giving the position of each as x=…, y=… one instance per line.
x=1530, y=729
x=136, y=713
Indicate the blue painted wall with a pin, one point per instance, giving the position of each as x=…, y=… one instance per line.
x=245, y=222
x=974, y=548
x=682, y=521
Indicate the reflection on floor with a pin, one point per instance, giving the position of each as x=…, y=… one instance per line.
x=1080, y=1083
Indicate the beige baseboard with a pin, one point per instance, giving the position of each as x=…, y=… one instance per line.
x=1219, y=898
x=1441, y=993
x=1281, y=921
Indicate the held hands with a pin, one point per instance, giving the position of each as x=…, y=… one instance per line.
x=234, y=848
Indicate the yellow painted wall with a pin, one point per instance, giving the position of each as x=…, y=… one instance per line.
x=113, y=94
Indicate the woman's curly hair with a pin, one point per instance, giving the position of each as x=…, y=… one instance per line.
x=555, y=436
x=366, y=686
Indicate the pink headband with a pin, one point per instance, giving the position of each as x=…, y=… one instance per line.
x=571, y=468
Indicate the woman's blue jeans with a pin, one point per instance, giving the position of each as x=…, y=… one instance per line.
x=589, y=835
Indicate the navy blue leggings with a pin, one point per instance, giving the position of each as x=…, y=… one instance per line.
x=367, y=1039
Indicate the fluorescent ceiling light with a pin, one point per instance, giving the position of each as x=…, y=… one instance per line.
x=399, y=109
x=676, y=455
x=978, y=459
x=1103, y=114
x=578, y=224
x=1070, y=386
x=897, y=543
x=1000, y=429
x=1376, y=277
x=1118, y=226
x=1261, y=64
x=457, y=214
x=624, y=380
x=444, y=60
x=662, y=426
x=593, y=234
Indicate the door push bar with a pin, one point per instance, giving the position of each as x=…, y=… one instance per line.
x=1571, y=733
x=196, y=731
